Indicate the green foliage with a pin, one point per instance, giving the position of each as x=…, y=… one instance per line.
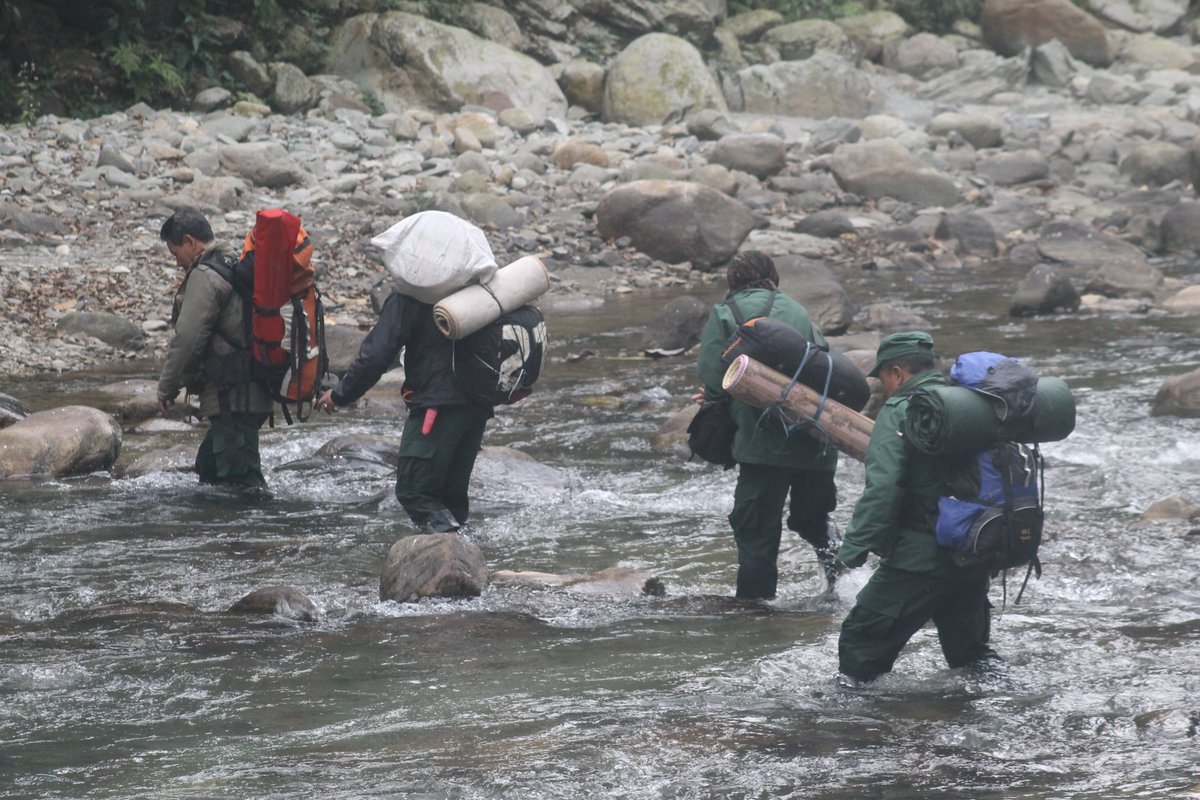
x=27, y=89
x=265, y=13
x=372, y=101
x=937, y=16
x=147, y=73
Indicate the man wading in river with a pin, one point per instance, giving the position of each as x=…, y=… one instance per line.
x=916, y=580
x=771, y=461
x=209, y=342
x=444, y=430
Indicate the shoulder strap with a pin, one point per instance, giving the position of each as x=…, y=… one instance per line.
x=739, y=318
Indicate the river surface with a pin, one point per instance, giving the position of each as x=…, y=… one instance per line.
x=120, y=677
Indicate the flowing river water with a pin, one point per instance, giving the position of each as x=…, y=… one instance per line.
x=120, y=676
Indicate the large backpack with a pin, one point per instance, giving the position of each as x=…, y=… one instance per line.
x=275, y=271
x=498, y=364
x=990, y=513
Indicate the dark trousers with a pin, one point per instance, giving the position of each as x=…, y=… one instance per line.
x=229, y=452
x=895, y=604
x=757, y=519
x=434, y=472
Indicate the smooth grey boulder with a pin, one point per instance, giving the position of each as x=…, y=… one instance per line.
x=678, y=325
x=1179, y=228
x=266, y=164
x=659, y=78
x=676, y=221
x=1155, y=164
x=432, y=565
x=1045, y=290
x=1014, y=167
x=72, y=440
x=1179, y=396
x=407, y=60
x=1011, y=26
x=821, y=87
x=112, y=329
x=280, y=601
x=885, y=168
x=971, y=232
x=760, y=154
x=179, y=458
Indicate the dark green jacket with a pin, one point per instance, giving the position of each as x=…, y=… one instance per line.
x=892, y=518
x=756, y=443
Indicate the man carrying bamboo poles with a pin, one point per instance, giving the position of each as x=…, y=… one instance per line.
x=772, y=460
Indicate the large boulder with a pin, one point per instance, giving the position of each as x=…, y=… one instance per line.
x=11, y=410
x=1180, y=228
x=432, y=565
x=112, y=329
x=814, y=286
x=885, y=168
x=803, y=39
x=72, y=440
x=1155, y=164
x=874, y=30
x=678, y=325
x=1178, y=396
x=1045, y=290
x=1010, y=26
x=760, y=154
x=676, y=221
x=407, y=60
x=657, y=79
x=266, y=164
x=820, y=87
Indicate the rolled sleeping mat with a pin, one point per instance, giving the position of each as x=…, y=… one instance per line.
x=953, y=420
x=476, y=306
x=779, y=346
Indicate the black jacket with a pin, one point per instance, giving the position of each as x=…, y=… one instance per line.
x=429, y=355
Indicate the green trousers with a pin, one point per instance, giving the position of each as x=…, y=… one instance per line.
x=757, y=519
x=895, y=604
x=434, y=472
x=229, y=452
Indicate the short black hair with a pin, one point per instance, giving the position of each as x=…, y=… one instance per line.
x=186, y=222
x=914, y=363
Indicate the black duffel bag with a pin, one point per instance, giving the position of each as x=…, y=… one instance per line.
x=711, y=432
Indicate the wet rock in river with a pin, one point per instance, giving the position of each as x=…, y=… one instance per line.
x=72, y=440
x=1178, y=396
x=280, y=601
x=111, y=329
x=679, y=325
x=1045, y=290
x=432, y=565
x=11, y=410
x=1176, y=507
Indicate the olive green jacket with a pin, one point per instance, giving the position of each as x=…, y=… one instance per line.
x=210, y=317
x=758, y=440
x=892, y=518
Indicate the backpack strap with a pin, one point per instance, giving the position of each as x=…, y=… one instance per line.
x=739, y=317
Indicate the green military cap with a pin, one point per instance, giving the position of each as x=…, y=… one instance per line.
x=898, y=345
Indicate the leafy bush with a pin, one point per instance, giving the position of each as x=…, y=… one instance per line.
x=147, y=74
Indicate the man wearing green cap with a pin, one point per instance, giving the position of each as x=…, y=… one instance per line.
x=772, y=462
x=916, y=580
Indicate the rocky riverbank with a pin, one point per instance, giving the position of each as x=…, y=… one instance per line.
x=848, y=146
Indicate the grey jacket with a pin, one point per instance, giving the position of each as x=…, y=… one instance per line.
x=209, y=319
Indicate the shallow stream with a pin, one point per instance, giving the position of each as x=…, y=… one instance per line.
x=121, y=678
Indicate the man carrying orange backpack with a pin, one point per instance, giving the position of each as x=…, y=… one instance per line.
x=210, y=333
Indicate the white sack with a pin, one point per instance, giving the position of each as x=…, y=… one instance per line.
x=473, y=308
x=431, y=254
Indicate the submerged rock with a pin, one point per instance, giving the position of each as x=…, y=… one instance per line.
x=280, y=601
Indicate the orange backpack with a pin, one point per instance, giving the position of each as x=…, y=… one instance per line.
x=277, y=264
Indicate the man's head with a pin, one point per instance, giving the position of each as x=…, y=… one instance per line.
x=187, y=233
x=751, y=269
x=900, y=356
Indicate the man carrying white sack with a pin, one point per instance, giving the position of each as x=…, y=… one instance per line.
x=444, y=430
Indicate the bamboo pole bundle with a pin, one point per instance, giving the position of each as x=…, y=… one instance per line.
x=760, y=386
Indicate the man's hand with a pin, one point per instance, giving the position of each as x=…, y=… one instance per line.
x=325, y=402
x=698, y=398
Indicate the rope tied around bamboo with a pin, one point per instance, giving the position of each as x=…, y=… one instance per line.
x=760, y=386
